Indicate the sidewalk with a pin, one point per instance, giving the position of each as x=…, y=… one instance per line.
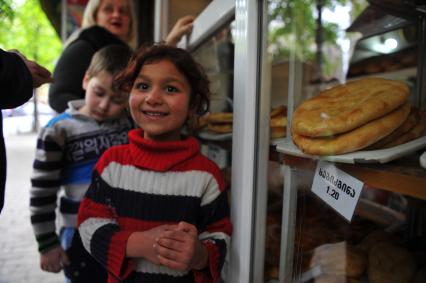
x=19, y=258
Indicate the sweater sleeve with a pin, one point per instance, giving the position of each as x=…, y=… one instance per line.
x=215, y=229
x=16, y=82
x=45, y=185
x=99, y=228
x=68, y=75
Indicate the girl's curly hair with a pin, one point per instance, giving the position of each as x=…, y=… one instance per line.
x=194, y=73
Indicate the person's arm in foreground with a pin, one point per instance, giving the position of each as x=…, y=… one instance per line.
x=18, y=77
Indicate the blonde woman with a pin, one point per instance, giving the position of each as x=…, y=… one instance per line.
x=104, y=22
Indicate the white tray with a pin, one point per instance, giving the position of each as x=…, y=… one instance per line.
x=365, y=156
x=207, y=135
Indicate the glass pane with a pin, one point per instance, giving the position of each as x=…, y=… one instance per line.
x=317, y=47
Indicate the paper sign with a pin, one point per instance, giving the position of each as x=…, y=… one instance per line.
x=337, y=188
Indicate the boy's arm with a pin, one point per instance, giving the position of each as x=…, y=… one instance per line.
x=45, y=184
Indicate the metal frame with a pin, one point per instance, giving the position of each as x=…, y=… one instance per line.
x=214, y=16
x=161, y=19
x=250, y=148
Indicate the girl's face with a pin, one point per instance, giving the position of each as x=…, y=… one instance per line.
x=114, y=15
x=159, y=100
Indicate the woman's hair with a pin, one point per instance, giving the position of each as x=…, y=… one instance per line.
x=89, y=19
x=111, y=59
x=193, y=72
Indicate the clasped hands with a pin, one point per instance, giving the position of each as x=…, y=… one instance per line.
x=175, y=246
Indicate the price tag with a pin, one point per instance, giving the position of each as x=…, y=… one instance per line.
x=337, y=188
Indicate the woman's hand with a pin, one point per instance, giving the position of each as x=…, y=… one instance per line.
x=183, y=26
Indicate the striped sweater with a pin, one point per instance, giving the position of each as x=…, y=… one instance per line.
x=68, y=147
x=145, y=184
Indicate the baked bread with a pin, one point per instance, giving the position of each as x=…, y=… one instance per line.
x=412, y=120
x=220, y=117
x=278, y=132
x=349, y=106
x=417, y=131
x=356, y=139
x=220, y=128
x=375, y=238
x=388, y=263
x=340, y=259
x=280, y=110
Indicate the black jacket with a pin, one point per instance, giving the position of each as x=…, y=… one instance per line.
x=73, y=63
x=16, y=88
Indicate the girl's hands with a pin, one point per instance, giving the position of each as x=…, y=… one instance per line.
x=141, y=244
x=181, y=249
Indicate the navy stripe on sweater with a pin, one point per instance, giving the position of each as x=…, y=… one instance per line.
x=100, y=242
x=45, y=183
x=48, y=145
x=145, y=206
x=45, y=217
x=41, y=201
x=47, y=166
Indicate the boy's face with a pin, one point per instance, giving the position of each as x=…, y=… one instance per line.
x=159, y=100
x=102, y=102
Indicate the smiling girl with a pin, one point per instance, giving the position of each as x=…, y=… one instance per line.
x=157, y=209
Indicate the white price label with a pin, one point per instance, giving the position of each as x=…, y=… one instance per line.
x=337, y=188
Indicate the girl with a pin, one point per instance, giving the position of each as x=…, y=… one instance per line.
x=157, y=209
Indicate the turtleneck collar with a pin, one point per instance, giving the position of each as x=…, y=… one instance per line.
x=160, y=156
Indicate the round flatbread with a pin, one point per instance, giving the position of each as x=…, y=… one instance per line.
x=402, y=131
x=349, y=106
x=417, y=131
x=220, y=128
x=220, y=117
x=354, y=140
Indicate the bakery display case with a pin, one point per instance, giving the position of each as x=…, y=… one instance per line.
x=353, y=204
x=348, y=215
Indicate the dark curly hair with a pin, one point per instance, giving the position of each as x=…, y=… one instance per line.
x=194, y=73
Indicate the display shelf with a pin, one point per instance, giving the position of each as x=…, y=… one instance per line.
x=403, y=176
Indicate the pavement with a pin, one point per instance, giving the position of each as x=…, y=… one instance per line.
x=19, y=258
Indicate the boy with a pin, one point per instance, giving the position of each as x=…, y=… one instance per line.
x=67, y=149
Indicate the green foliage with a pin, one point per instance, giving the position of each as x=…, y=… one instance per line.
x=6, y=10
x=293, y=31
x=30, y=32
x=293, y=27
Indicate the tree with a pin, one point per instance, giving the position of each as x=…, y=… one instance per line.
x=294, y=28
x=27, y=29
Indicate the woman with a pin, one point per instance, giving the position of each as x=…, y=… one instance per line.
x=104, y=22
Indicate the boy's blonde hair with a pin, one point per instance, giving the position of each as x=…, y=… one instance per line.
x=111, y=59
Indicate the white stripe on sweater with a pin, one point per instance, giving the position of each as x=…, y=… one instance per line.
x=186, y=183
x=89, y=227
x=142, y=265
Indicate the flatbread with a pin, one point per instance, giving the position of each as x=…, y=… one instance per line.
x=415, y=132
x=220, y=117
x=412, y=120
x=354, y=140
x=349, y=106
x=220, y=128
